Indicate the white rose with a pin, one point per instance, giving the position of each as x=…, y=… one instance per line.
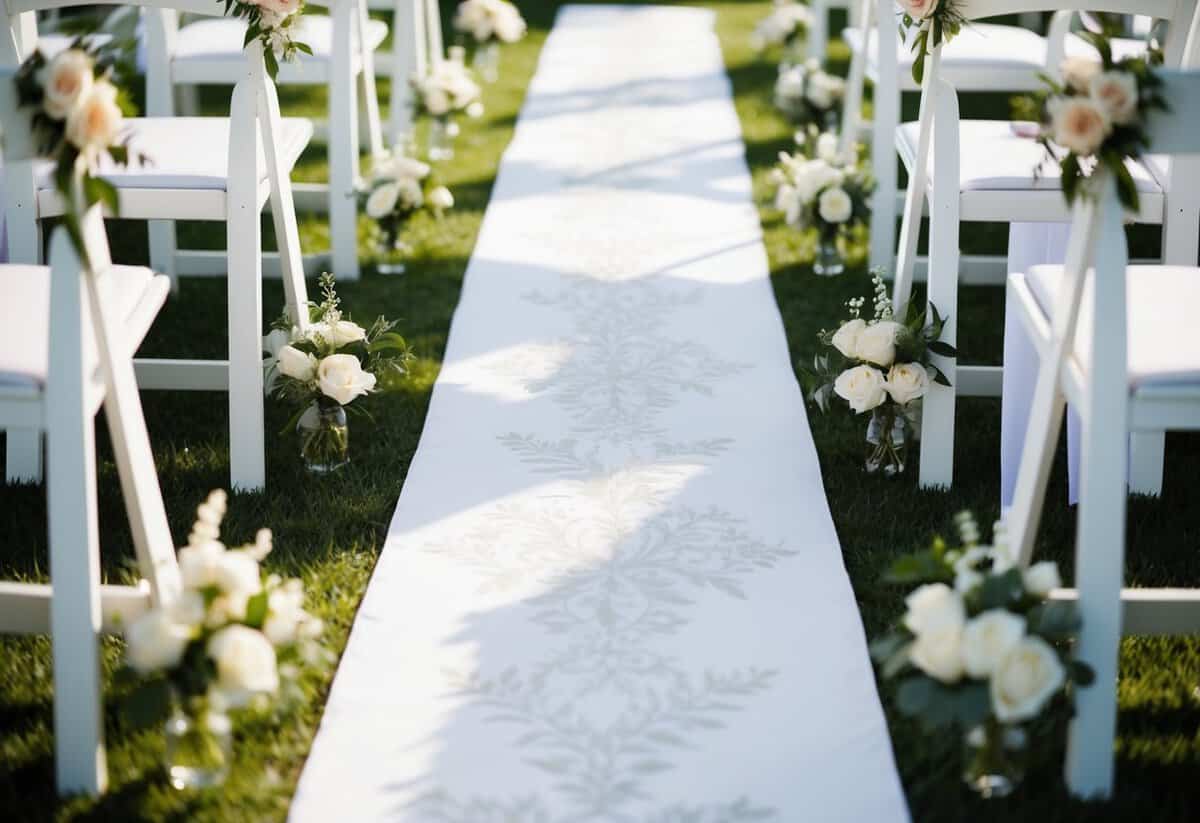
x=65, y=82
x=339, y=333
x=275, y=340
x=1042, y=578
x=199, y=564
x=931, y=606
x=401, y=165
x=845, y=339
x=382, y=200
x=238, y=574
x=861, y=387
x=508, y=23
x=988, y=638
x=285, y=613
x=877, y=343
x=95, y=122
x=441, y=199
x=1079, y=124
x=341, y=378
x=411, y=196
x=827, y=147
x=437, y=102
x=906, y=382
x=296, y=364
x=919, y=9
x=787, y=200
x=155, y=641
x=474, y=111
x=939, y=653
x=1117, y=93
x=1025, y=680
x=245, y=662
x=1077, y=72
x=834, y=205
x=790, y=84
x=824, y=90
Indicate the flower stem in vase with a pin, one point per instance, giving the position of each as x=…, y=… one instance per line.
x=199, y=743
x=885, y=453
x=391, y=246
x=993, y=758
x=441, y=138
x=324, y=437
x=828, y=262
x=487, y=61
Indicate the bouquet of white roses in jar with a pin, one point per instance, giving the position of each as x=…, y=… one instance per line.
x=489, y=23
x=882, y=366
x=399, y=186
x=805, y=93
x=786, y=26
x=322, y=368
x=233, y=637
x=446, y=89
x=981, y=647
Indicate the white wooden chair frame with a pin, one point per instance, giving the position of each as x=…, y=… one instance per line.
x=416, y=45
x=890, y=80
x=818, y=31
x=948, y=207
x=1109, y=407
x=254, y=112
x=351, y=81
x=89, y=366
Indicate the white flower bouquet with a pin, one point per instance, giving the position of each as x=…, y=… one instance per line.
x=805, y=93
x=322, y=368
x=981, y=648
x=1094, y=119
x=273, y=23
x=234, y=637
x=785, y=26
x=77, y=114
x=929, y=23
x=398, y=187
x=882, y=366
x=488, y=21
x=447, y=89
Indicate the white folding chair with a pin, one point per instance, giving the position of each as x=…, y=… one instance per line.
x=201, y=169
x=984, y=57
x=209, y=51
x=63, y=355
x=1110, y=343
x=416, y=43
x=981, y=171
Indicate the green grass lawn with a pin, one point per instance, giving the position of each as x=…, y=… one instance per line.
x=330, y=530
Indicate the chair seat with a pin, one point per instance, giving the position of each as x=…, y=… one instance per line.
x=134, y=292
x=987, y=56
x=186, y=153
x=993, y=158
x=1159, y=302
x=213, y=45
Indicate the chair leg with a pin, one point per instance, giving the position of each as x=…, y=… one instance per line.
x=247, y=441
x=938, y=406
x=818, y=30
x=368, y=96
x=886, y=103
x=409, y=56
x=75, y=623
x=162, y=250
x=23, y=461
x=1146, y=453
x=343, y=149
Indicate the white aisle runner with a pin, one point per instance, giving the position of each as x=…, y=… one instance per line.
x=612, y=590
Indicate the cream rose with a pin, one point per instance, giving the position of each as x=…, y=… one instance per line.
x=95, y=122
x=245, y=662
x=296, y=364
x=1077, y=72
x=238, y=575
x=877, y=343
x=845, y=339
x=823, y=90
x=199, y=564
x=281, y=8
x=861, y=387
x=834, y=205
x=411, y=196
x=920, y=9
x=988, y=638
x=155, y=641
x=1041, y=578
x=341, y=378
x=939, y=653
x=508, y=23
x=906, y=382
x=827, y=147
x=65, y=82
x=1025, y=680
x=933, y=605
x=1117, y=93
x=382, y=200
x=1079, y=124
x=339, y=333
x=441, y=199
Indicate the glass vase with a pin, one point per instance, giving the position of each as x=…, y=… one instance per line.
x=388, y=249
x=828, y=262
x=487, y=61
x=887, y=455
x=994, y=759
x=324, y=437
x=441, y=138
x=199, y=744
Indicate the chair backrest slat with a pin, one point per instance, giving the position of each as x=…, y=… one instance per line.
x=208, y=8
x=1159, y=9
x=1177, y=131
